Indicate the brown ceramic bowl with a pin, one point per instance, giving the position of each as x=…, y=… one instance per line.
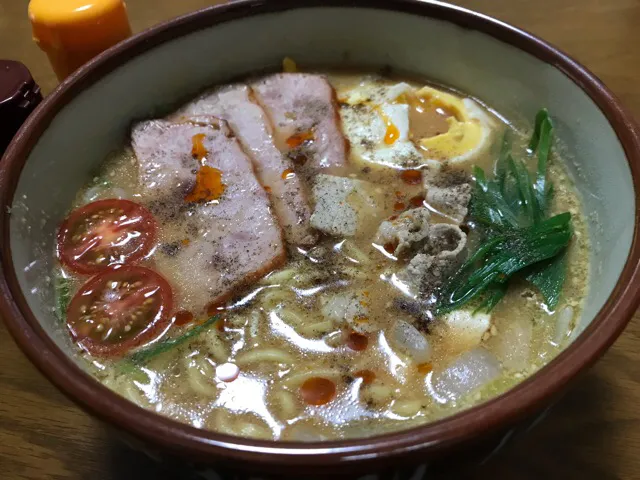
x=517, y=73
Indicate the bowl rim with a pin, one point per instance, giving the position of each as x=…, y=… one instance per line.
x=489, y=417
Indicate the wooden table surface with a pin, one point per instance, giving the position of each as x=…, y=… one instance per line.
x=594, y=433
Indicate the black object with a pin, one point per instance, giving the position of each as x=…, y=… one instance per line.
x=19, y=95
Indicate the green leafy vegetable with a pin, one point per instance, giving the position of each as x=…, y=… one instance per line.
x=511, y=210
x=502, y=164
x=541, y=116
x=530, y=211
x=501, y=257
x=543, y=147
x=488, y=205
x=62, y=293
x=549, y=277
x=143, y=356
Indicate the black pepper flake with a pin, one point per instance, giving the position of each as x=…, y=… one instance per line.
x=170, y=249
x=417, y=309
x=367, y=144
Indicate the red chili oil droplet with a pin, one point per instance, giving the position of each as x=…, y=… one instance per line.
x=425, y=367
x=208, y=185
x=198, y=150
x=390, y=247
x=399, y=206
x=411, y=177
x=294, y=141
x=287, y=174
x=318, y=391
x=417, y=201
x=182, y=318
x=357, y=341
x=367, y=376
x=221, y=324
x=214, y=308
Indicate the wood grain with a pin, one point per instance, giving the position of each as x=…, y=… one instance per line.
x=594, y=433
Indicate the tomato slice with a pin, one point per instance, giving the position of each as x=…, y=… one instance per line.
x=120, y=309
x=105, y=233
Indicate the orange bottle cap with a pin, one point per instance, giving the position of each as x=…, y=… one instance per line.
x=72, y=32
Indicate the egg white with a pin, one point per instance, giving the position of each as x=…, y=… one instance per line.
x=368, y=107
x=365, y=128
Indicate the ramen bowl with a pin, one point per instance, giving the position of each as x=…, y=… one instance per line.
x=90, y=113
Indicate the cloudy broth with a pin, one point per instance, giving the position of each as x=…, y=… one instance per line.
x=312, y=350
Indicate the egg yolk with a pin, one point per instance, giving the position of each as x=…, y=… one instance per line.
x=463, y=133
x=427, y=120
x=392, y=133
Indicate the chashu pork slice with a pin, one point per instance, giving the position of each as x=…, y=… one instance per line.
x=216, y=230
x=247, y=119
x=304, y=112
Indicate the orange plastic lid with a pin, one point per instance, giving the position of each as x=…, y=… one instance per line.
x=71, y=32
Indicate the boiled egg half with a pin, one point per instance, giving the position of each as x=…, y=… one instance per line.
x=399, y=126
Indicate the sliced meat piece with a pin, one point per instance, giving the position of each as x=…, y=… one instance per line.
x=448, y=191
x=274, y=170
x=216, y=229
x=406, y=232
x=442, y=254
x=343, y=205
x=303, y=110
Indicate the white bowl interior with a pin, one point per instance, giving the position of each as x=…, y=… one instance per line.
x=513, y=82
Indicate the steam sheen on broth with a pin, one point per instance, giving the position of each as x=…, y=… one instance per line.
x=334, y=331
